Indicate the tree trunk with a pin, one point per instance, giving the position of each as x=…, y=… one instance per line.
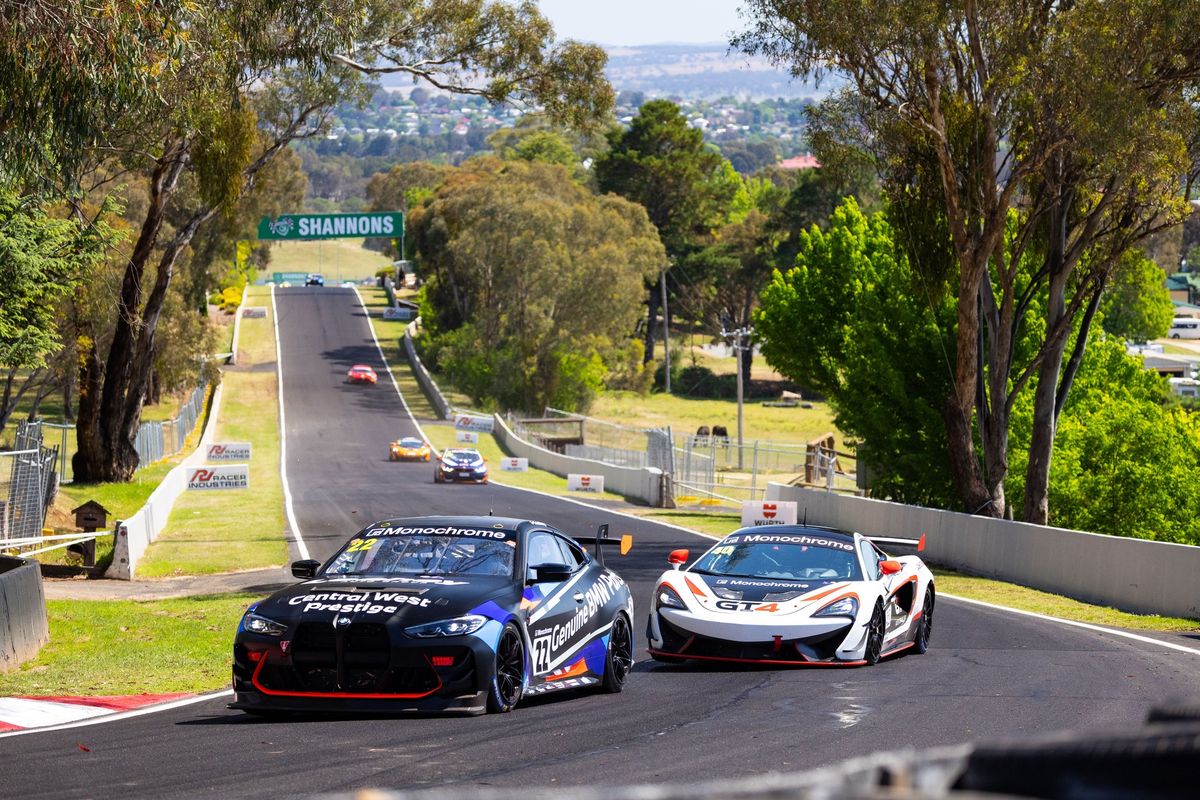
x=68, y=395
x=652, y=300
x=114, y=398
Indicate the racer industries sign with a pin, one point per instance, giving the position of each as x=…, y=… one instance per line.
x=772, y=512
x=332, y=226
x=585, y=483
x=473, y=422
x=229, y=451
x=233, y=476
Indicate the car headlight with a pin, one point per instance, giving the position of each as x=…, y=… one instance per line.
x=665, y=597
x=459, y=626
x=267, y=627
x=447, y=468
x=846, y=607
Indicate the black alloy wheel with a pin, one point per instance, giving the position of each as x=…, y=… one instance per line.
x=921, y=642
x=619, y=662
x=874, y=637
x=508, y=679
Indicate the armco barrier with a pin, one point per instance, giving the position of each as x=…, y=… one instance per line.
x=1135, y=575
x=23, y=625
x=132, y=536
x=642, y=483
x=423, y=377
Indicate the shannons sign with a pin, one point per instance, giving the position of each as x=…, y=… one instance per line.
x=332, y=226
x=768, y=512
x=234, y=476
x=229, y=451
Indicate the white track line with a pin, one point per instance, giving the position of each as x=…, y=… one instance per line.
x=120, y=715
x=301, y=547
x=1072, y=623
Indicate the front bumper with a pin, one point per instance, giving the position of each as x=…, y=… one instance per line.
x=367, y=668
x=678, y=635
x=464, y=475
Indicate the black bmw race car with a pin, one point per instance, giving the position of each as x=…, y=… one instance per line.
x=437, y=614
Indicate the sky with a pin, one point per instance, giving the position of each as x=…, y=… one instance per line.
x=639, y=22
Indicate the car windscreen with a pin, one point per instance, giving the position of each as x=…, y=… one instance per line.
x=425, y=555
x=410, y=442
x=781, y=557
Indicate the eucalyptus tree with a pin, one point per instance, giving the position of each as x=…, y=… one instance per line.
x=206, y=96
x=1045, y=130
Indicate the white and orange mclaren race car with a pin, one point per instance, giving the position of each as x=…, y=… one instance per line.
x=793, y=595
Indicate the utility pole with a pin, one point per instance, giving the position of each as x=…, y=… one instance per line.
x=739, y=340
x=666, y=332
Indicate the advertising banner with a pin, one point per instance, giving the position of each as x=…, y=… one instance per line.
x=775, y=512
x=233, y=476
x=386, y=224
x=468, y=437
x=515, y=465
x=473, y=422
x=229, y=451
x=585, y=483
x=254, y=312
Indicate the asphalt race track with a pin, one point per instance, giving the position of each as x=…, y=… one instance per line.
x=988, y=675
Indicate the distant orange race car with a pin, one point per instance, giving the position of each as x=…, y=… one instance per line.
x=410, y=448
x=361, y=373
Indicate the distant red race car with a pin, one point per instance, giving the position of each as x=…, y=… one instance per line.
x=361, y=373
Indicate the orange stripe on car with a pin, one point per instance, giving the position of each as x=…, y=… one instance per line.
x=696, y=590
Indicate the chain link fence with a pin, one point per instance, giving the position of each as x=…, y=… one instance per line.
x=28, y=483
x=154, y=440
x=705, y=470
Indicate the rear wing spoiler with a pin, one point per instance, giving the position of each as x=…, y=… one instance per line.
x=626, y=542
x=917, y=543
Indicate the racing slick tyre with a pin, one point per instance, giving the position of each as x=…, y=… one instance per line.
x=437, y=477
x=619, y=661
x=921, y=642
x=484, y=481
x=508, y=677
x=874, y=637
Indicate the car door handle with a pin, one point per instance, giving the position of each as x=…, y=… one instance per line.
x=579, y=597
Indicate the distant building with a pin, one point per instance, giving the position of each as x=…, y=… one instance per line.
x=806, y=161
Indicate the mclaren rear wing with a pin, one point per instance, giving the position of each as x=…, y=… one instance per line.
x=917, y=543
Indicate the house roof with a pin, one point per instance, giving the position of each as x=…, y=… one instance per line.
x=806, y=161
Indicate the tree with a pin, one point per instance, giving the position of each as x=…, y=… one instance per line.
x=1126, y=458
x=854, y=321
x=533, y=280
x=42, y=258
x=222, y=88
x=985, y=108
x=1137, y=305
x=685, y=186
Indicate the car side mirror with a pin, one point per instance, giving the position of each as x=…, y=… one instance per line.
x=551, y=573
x=305, y=569
x=677, y=558
x=890, y=567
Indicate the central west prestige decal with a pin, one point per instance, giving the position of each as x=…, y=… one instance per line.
x=380, y=603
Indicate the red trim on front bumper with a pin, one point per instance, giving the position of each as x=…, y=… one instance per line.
x=760, y=660
x=345, y=695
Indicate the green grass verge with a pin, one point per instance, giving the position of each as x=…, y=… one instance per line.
x=336, y=260
x=122, y=499
x=100, y=647
x=224, y=531
x=1011, y=595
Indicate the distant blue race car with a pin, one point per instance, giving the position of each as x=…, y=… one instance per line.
x=460, y=464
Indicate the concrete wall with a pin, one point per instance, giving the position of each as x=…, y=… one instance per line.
x=423, y=377
x=642, y=483
x=1136, y=575
x=23, y=625
x=132, y=536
